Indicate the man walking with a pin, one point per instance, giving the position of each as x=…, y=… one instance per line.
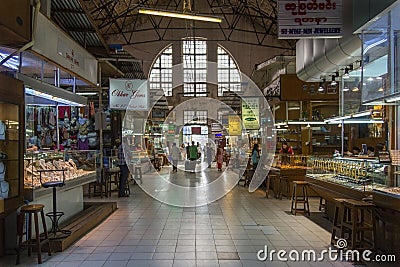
x=175, y=153
x=124, y=171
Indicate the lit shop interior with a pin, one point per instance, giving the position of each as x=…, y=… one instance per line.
x=324, y=113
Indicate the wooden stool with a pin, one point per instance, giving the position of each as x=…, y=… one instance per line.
x=267, y=183
x=337, y=229
x=138, y=173
x=353, y=221
x=322, y=204
x=298, y=199
x=112, y=178
x=29, y=243
x=282, y=185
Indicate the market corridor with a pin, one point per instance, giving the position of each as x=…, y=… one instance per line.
x=228, y=232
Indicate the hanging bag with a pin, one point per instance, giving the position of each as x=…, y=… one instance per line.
x=2, y=171
x=2, y=131
x=4, y=188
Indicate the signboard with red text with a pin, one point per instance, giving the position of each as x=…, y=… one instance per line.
x=309, y=19
x=128, y=94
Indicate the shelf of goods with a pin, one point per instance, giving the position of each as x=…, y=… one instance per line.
x=79, y=169
x=361, y=179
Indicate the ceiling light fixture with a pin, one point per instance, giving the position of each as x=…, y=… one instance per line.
x=191, y=16
x=370, y=79
x=381, y=89
x=346, y=88
x=346, y=73
x=379, y=78
x=355, y=89
x=333, y=83
x=321, y=88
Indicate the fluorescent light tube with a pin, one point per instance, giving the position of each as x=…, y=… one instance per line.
x=393, y=99
x=179, y=15
x=362, y=121
x=87, y=93
x=305, y=122
x=361, y=114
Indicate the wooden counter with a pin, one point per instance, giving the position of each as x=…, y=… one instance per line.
x=387, y=212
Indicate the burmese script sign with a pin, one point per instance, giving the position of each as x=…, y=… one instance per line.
x=251, y=113
x=129, y=94
x=309, y=19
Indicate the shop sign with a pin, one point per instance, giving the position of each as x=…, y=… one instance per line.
x=129, y=94
x=63, y=51
x=309, y=19
x=235, y=126
x=71, y=55
x=251, y=113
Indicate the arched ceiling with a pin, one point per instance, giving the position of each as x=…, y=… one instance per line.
x=101, y=26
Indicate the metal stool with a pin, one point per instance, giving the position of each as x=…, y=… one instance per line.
x=300, y=199
x=29, y=243
x=55, y=215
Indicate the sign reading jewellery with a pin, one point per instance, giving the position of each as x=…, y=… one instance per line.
x=309, y=19
x=129, y=94
x=251, y=113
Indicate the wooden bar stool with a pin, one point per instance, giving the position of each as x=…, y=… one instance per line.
x=300, y=199
x=30, y=243
x=268, y=182
x=138, y=173
x=354, y=222
x=282, y=186
x=337, y=229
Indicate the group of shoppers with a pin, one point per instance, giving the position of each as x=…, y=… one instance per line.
x=194, y=152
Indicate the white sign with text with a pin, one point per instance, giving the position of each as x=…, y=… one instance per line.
x=129, y=94
x=309, y=19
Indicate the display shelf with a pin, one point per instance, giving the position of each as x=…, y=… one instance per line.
x=11, y=142
x=78, y=164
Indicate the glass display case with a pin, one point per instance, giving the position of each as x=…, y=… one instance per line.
x=356, y=173
x=285, y=161
x=47, y=165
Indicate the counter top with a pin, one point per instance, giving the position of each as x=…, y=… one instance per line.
x=69, y=184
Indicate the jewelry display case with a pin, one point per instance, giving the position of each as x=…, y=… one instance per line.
x=79, y=166
x=347, y=177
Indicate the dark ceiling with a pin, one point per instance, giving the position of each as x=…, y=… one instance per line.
x=99, y=25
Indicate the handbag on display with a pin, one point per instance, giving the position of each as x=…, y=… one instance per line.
x=4, y=189
x=2, y=131
x=3, y=155
x=2, y=171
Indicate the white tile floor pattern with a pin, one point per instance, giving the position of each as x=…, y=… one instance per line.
x=229, y=232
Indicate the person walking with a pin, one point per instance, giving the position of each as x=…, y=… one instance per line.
x=183, y=151
x=175, y=154
x=209, y=154
x=192, y=157
x=124, y=171
x=220, y=158
x=255, y=156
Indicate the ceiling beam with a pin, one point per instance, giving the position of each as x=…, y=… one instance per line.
x=94, y=25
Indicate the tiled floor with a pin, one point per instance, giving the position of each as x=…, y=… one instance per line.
x=228, y=232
